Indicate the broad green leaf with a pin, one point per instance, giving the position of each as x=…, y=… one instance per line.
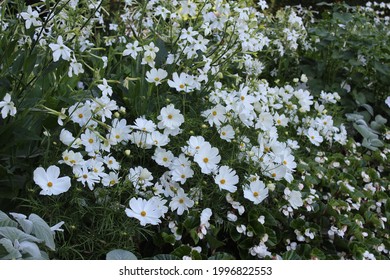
x=291, y=255
x=213, y=242
x=181, y=251
x=195, y=255
x=42, y=230
x=191, y=222
x=272, y=239
x=317, y=253
x=119, y=254
x=168, y=238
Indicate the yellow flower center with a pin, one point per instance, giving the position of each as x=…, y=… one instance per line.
x=181, y=86
x=284, y=162
x=205, y=160
x=170, y=116
x=81, y=116
x=90, y=140
x=214, y=113
x=223, y=181
x=274, y=175
x=157, y=79
x=143, y=213
x=181, y=201
x=255, y=194
x=49, y=184
x=85, y=176
x=183, y=176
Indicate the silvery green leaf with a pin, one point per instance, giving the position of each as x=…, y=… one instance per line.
x=120, y=254
x=354, y=117
x=42, y=230
x=375, y=125
x=368, y=108
x=13, y=252
x=367, y=143
x=377, y=143
x=381, y=120
x=30, y=248
x=365, y=131
x=23, y=222
x=6, y=221
x=16, y=234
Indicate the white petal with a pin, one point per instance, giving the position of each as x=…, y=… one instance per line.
x=40, y=177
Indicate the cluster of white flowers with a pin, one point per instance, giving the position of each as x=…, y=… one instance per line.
x=264, y=125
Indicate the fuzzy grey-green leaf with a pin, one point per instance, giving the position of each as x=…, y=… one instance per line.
x=42, y=230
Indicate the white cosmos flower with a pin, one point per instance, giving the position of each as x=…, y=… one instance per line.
x=216, y=115
x=170, y=117
x=110, y=179
x=207, y=158
x=71, y=158
x=156, y=76
x=81, y=114
x=227, y=133
x=163, y=157
x=195, y=144
x=314, y=136
x=181, y=202
x=90, y=141
x=60, y=50
x=144, y=125
x=184, y=82
x=140, y=177
x=182, y=173
x=146, y=211
x=50, y=182
x=226, y=179
x=86, y=176
x=256, y=192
